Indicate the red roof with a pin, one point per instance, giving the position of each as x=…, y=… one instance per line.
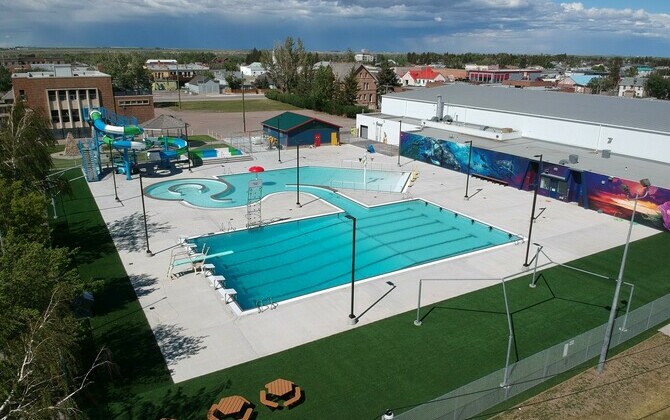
x=425, y=74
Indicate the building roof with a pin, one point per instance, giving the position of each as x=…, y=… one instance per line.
x=583, y=80
x=52, y=74
x=596, y=109
x=633, y=81
x=164, y=122
x=289, y=121
x=425, y=73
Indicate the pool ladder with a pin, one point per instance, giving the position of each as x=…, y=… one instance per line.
x=266, y=303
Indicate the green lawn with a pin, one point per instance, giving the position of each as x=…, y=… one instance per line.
x=357, y=374
x=235, y=106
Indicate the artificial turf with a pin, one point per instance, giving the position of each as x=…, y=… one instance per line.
x=357, y=374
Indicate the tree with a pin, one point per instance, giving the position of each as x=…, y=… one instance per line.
x=5, y=80
x=323, y=88
x=234, y=82
x=253, y=56
x=630, y=71
x=600, y=84
x=25, y=139
x=347, y=91
x=657, y=86
x=615, y=70
x=283, y=63
x=386, y=81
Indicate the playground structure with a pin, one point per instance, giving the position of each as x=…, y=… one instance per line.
x=122, y=134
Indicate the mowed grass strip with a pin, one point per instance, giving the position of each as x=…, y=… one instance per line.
x=253, y=105
x=359, y=373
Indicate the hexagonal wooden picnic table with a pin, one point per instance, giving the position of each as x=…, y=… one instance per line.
x=279, y=387
x=233, y=405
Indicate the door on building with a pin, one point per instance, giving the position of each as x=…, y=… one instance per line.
x=364, y=131
x=317, y=139
x=333, y=139
x=556, y=187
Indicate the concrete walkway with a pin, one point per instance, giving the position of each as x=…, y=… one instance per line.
x=198, y=332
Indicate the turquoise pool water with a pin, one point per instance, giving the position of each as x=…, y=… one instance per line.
x=231, y=190
x=292, y=259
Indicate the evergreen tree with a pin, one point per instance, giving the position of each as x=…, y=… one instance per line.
x=386, y=81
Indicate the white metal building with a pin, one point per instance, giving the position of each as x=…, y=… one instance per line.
x=623, y=126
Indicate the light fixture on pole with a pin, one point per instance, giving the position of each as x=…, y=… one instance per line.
x=297, y=174
x=279, y=136
x=244, y=114
x=188, y=152
x=178, y=88
x=352, y=318
x=399, y=140
x=467, y=179
x=144, y=213
x=111, y=160
x=532, y=212
x=615, y=301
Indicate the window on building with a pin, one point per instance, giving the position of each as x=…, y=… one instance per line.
x=61, y=95
x=52, y=95
x=55, y=118
x=65, y=116
x=82, y=94
x=72, y=94
x=92, y=93
x=75, y=115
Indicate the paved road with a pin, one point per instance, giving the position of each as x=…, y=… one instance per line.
x=185, y=97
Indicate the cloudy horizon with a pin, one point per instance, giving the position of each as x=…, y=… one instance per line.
x=589, y=27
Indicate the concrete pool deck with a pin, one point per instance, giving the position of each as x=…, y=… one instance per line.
x=198, y=332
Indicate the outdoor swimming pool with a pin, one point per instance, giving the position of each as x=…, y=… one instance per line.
x=291, y=259
x=231, y=190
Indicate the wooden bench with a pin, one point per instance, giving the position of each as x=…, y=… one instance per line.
x=292, y=401
x=268, y=403
x=213, y=413
x=247, y=414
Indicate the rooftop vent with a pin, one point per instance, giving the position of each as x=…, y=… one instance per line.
x=606, y=153
x=573, y=158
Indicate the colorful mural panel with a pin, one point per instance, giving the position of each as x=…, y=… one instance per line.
x=608, y=195
x=451, y=155
x=593, y=191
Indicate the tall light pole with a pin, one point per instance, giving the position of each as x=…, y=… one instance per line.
x=615, y=301
x=399, y=140
x=467, y=179
x=297, y=174
x=279, y=136
x=144, y=213
x=111, y=161
x=352, y=317
x=188, y=152
x=244, y=115
x=532, y=212
x=178, y=88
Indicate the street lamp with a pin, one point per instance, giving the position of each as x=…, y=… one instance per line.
x=144, y=213
x=352, y=317
x=188, y=152
x=467, y=179
x=111, y=160
x=244, y=114
x=610, y=323
x=178, y=88
x=532, y=213
x=297, y=174
x=279, y=136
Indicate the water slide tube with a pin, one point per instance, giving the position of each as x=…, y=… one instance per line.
x=128, y=130
x=174, y=146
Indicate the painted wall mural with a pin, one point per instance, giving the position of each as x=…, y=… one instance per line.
x=451, y=155
x=591, y=190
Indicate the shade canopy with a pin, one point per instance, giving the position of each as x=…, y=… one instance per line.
x=256, y=169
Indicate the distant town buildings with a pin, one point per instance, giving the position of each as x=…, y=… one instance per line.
x=254, y=69
x=632, y=87
x=169, y=75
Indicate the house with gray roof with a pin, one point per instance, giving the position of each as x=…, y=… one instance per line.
x=632, y=87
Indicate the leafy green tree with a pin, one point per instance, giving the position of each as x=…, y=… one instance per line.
x=347, y=91
x=25, y=139
x=253, y=56
x=323, y=88
x=386, y=81
x=349, y=56
x=5, y=80
x=657, y=86
x=283, y=63
x=234, y=82
x=630, y=72
x=615, y=70
x=600, y=84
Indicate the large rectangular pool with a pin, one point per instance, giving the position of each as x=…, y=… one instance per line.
x=291, y=259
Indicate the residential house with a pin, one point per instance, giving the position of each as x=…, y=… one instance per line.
x=577, y=83
x=422, y=77
x=364, y=58
x=254, y=69
x=201, y=85
x=169, y=75
x=632, y=87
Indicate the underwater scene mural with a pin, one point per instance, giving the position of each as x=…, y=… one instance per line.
x=591, y=190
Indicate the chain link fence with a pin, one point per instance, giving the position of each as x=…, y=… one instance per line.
x=249, y=142
x=487, y=392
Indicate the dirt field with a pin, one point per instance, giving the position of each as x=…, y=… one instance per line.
x=228, y=123
x=635, y=385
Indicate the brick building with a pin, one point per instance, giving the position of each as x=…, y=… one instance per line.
x=63, y=93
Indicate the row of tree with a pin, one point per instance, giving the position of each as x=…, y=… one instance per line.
x=42, y=366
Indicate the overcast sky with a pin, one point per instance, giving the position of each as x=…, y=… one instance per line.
x=608, y=27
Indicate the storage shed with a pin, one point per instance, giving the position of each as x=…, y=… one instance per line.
x=291, y=129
